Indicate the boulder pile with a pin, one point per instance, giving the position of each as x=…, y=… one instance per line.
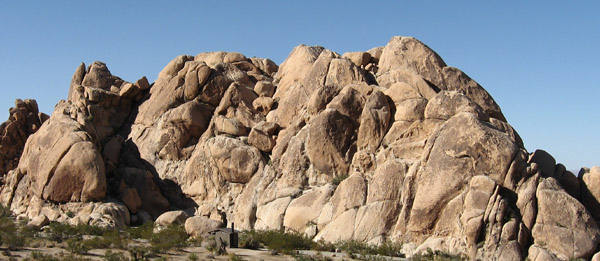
x=390, y=144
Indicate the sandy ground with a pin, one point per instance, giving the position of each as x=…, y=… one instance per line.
x=201, y=253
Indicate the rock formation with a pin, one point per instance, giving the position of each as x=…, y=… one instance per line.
x=422, y=153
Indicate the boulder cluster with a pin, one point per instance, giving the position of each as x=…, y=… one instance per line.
x=390, y=144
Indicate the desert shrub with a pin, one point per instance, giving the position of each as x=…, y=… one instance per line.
x=338, y=179
x=193, y=257
x=173, y=236
x=249, y=240
x=144, y=231
x=114, y=256
x=436, y=256
x=279, y=241
x=323, y=245
x=113, y=239
x=77, y=246
x=356, y=247
x=95, y=243
x=39, y=256
x=60, y=232
x=9, y=234
x=141, y=253
x=318, y=257
x=216, y=248
x=194, y=241
x=234, y=257
x=5, y=211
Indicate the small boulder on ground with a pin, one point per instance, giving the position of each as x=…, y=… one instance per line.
x=39, y=221
x=200, y=225
x=172, y=217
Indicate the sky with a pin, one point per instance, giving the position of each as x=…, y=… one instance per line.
x=538, y=59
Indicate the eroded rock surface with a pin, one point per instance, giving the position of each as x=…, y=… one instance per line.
x=390, y=144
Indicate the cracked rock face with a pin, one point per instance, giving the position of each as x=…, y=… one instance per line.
x=385, y=145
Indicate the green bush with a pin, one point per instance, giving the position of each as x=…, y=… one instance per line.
x=173, y=236
x=141, y=253
x=301, y=257
x=356, y=247
x=114, y=256
x=60, y=232
x=234, y=257
x=10, y=234
x=436, y=256
x=338, y=179
x=193, y=257
x=35, y=255
x=249, y=240
x=276, y=240
x=77, y=246
x=144, y=231
x=5, y=211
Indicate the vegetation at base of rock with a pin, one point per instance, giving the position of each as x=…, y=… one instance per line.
x=78, y=240
x=173, y=236
x=302, y=257
x=275, y=240
x=59, y=232
x=338, y=179
x=114, y=256
x=38, y=256
x=288, y=243
x=356, y=247
x=11, y=235
x=234, y=257
x=436, y=256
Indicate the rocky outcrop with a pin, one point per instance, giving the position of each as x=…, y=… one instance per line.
x=24, y=120
x=385, y=145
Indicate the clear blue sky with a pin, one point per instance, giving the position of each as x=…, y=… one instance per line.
x=539, y=60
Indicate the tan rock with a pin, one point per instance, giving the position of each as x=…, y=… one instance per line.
x=263, y=105
x=409, y=54
x=39, y=221
x=233, y=57
x=131, y=199
x=536, y=253
x=374, y=122
x=270, y=216
x=303, y=211
x=229, y=126
x=456, y=146
x=264, y=89
x=198, y=225
x=358, y=58
x=23, y=121
x=410, y=110
x=349, y=102
x=97, y=76
x=375, y=53
x=546, y=163
x=330, y=137
x=350, y=193
x=340, y=229
x=261, y=136
x=456, y=80
x=591, y=190
x=569, y=231
x=447, y=104
x=110, y=215
x=177, y=217
x=236, y=161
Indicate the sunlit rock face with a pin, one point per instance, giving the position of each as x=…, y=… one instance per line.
x=390, y=144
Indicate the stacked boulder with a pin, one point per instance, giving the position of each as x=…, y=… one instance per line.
x=390, y=144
